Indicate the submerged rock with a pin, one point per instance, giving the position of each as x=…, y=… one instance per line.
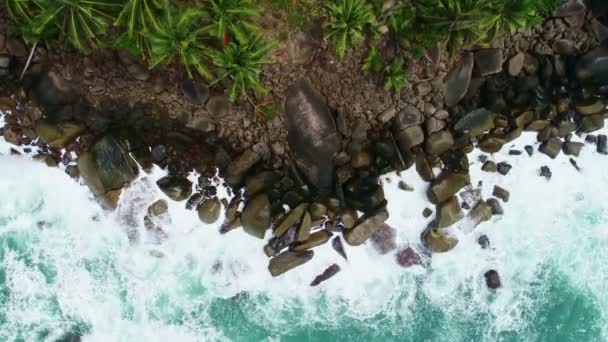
x=364, y=230
x=496, y=207
x=176, y=188
x=602, y=144
x=288, y=260
x=328, y=273
x=312, y=134
x=408, y=257
x=383, y=240
x=256, y=216
x=107, y=166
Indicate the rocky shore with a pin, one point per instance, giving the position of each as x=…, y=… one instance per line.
x=314, y=172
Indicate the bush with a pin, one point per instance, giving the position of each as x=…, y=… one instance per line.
x=231, y=17
x=136, y=18
x=394, y=76
x=347, y=20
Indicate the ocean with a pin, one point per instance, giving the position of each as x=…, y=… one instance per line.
x=68, y=267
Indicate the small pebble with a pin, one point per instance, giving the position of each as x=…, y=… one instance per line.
x=514, y=152
x=545, y=171
x=573, y=163
x=404, y=186
x=503, y=168
x=529, y=149
x=484, y=241
x=496, y=207
x=591, y=139
x=427, y=212
x=492, y=279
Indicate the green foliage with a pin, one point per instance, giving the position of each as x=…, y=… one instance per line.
x=80, y=23
x=546, y=7
x=299, y=12
x=231, y=16
x=136, y=18
x=179, y=38
x=242, y=64
x=394, y=76
x=372, y=62
x=347, y=20
x=510, y=15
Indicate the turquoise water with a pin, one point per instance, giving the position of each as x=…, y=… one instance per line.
x=67, y=267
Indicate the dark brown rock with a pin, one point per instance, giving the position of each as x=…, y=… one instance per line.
x=256, y=216
x=572, y=148
x=551, y=147
x=492, y=279
x=458, y=79
x=288, y=260
x=448, y=213
x=365, y=229
x=439, y=142
x=447, y=185
x=328, y=273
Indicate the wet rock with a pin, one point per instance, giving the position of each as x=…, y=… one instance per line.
x=437, y=241
x=312, y=134
x=410, y=137
x=408, y=257
x=303, y=232
x=158, y=208
x=591, y=139
x=476, y=122
x=423, y=167
x=523, y=119
x=176, y=188
x=302, y=48
x=503, y=168
x=458, y=79
x=12, y=135
x=593, y=66
x=545, y=172
x=491, y=144
x=316, y=239
x=260, y=181
x=427, y=212
x=516, y=64
x=513, y=134
x=489, y=166
x=488, y=61
x=218, y=106
x=484, y=241
x=572, y=148
x=471, y=196
x=46, y=159
x=383, y=240
x=239, y=167
x=196, y=93
x=590, y=107
x=107, y=166
x=194, y=200
x=256, y=216
x=58, y=135
x=277, y=244
x=209, y=210
x=496, y=207
x=317, y=210
x=290, y=219
x=365, y=229
x=288, y=260
x=439, y=142
x=529, y=150
x=447, y=185
x=563, y=47
x=547, y=133
x=551, y=147
x=72, y=171
x=348, y=218
x=448, y=213
x=591, y=123
x=328, y=273
x=492, y=279
x=501, y=193
x=537, y=125
x=480, y=213
x=564, y=128
x=337, y=245
x=602, y=144
x=514, y=152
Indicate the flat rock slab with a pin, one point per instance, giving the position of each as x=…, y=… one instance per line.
x=311, y=133
x=287, y=261
x=458, y=79
x=364, y=230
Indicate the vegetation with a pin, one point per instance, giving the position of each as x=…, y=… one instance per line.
x=231, y=17
x=347, y=20
x=242, y=64
x=372, y=62
x=137, y=18
x=394, y=76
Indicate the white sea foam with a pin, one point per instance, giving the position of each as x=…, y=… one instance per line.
x=124, y=291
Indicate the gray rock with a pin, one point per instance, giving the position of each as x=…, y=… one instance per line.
x=337, y=245
x=458, y=79
x=496, y=207
x=409, y=116
x=158, y=208
x=388, y=114
x=545, y=172
x=218, y=106
x=488, y=61
x=195, y=92
x=503, y=168
x=489, y=166
x=312, y=134
x=107, y=166
x=432, y=125
x=176, y=188
x=302, y=48
x=256, y=216
x=593, y=66
x=448, y=213
x=516, y=64
x=328, y=273
x=424, y=88
x=239, y=167
x=288, y=260
x=410, y=137
x=602, y=144
x=439, y=142
x=476, y=122
x=364, y=230
x=563, y=47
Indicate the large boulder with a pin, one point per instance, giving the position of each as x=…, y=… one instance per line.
x=311, y=133
x=437, y=241
x=58, y=135
x=447, y=185
x=239, y=166
x=593, y=66
x=107, y=166
x=256, y=216
x=439, y=142
x=458, y=79
x=364, y=230
x=488, y=61
x=448, y=213
x=287, y=261
x=476, y=122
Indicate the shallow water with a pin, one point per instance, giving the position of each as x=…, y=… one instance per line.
x=66, y=266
